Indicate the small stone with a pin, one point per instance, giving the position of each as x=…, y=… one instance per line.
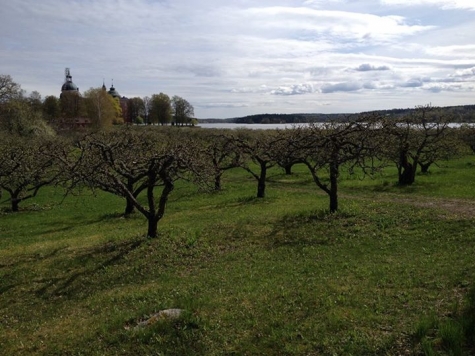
x=173, y=313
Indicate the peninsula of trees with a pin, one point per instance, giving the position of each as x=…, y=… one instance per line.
x=460, y=114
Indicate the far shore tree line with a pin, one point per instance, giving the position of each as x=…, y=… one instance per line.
x=142, y=164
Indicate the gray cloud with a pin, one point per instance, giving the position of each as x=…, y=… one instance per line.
x=366, y=67
x=200, y=70
x=370, y=85
x=437, y=88
x=341, y=87
x=412, y=83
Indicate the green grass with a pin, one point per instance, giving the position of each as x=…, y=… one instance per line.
x=275, y=276
x=452, y=334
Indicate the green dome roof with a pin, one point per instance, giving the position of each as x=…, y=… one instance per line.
x=68, y=82
x=113, y=92
x=69, y=85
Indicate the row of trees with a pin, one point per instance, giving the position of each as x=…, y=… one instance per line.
x=161, y=109
x=362, y=146
x=101, y=109
x=104, y=110
x=142, y=164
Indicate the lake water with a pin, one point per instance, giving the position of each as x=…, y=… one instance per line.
x=247, y=126
x=272, y=126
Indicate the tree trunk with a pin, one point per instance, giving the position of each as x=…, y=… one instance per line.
x=407, y=176
x=167, y=189
x=15, y=204
x=406, y=171
x=129, y=207
x=334, y=171
x=153, y=219
x=333, y=202
x=425, y=167
x=288, y=169
x=14, y=199
x=261, y=189
x=261, y=185
x=217, y=182
x=152, y=226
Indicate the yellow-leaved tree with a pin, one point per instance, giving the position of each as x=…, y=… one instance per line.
x=102, y=109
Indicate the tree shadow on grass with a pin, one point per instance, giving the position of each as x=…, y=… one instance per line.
x=248, y=200
x=54, y=230
x=120, y=216
x=302, y=229
x=393, y=187
x=29, y=258
x=84, y=265
x=113, y=216
x=25, y=208
x=6, y=288
x=254, y=200
x=56, y=225
x=76, y=268
x=294, y=179
x=9, y=277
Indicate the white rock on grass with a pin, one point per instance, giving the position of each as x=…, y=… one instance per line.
x=161, y=315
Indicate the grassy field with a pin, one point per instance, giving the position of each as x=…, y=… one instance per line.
x=273, y=276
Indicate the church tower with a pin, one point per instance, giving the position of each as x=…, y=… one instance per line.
x=113, y=92
x=72, y=105
x=68, y=86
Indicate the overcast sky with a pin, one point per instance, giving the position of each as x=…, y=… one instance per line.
x=242, y=57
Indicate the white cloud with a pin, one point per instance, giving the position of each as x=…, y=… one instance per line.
x=255, y=90
x=296, y=89
x=444, y=4
x=321, y=3
x=464, y=73
x=224, y=105
x=314, y=23
x=466, y=51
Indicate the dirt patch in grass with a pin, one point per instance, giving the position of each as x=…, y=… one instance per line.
x=449, y=208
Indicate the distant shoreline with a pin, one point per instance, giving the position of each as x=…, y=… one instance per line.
x=461, y=114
